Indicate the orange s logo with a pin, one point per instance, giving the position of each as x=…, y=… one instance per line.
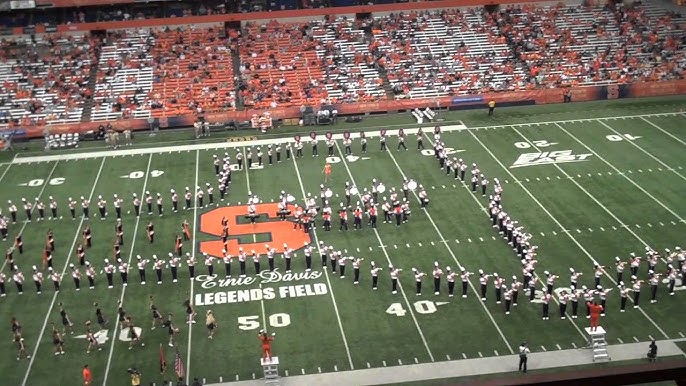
x=278, y=232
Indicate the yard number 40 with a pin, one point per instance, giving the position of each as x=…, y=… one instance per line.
x=422, y=307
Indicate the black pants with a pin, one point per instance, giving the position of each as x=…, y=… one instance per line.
x=271, y=264
x=110, y=282
x=242, y=267
x=575, y=308
x=419, y=288
x=622, y=303
x=136, y=208
x=91, y=282
x=257, y=267
x=323, y=260
x=159, y=275
x=522, y=362
x=227, y=268
x=437, y=285
x=465, y=284
x=191, y=271
x=141, y=273
x=356, y=278
x=308, y=263
x=174, y=273
x=375, y=281
x=394, y=285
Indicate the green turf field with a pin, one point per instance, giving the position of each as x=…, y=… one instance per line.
x=625, y=192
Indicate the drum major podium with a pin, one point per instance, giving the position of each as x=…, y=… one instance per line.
x=271, y=370
x=597, y=343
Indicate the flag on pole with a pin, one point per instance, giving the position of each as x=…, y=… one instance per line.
x=163, y=360
x=178, y=366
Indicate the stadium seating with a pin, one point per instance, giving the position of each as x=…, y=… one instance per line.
x=45, y=81
x=193, y=72
x=124, y=77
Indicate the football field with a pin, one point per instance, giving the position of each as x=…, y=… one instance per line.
x=587, y=190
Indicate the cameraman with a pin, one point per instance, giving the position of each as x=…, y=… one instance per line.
x=135, y=377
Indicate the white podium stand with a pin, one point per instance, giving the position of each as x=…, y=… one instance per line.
x=271, y=370
x=597, y=343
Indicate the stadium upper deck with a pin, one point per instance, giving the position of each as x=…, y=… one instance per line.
x=185, y=70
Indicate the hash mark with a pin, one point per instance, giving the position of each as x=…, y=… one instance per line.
x=578, y=175
x=433, y=187
x=493, y=237
x=542, y=234
x=470, y=240
x=636, y=339
x=673, y=223
x=628, y=171
x=464, y=355
x=544, y=349
x=600, y=174
x=370, y=248
x=236, y=378
x=538, y=179
x=558, y=346
x=650, y=170
x=496, y=353
x=420, y=244
x=609, y=173
x=400, y=362
x=383, y=363
x=554, y=233
x=358, y=249
x=620, y=340
x=507, y=182
x=650, y=225
x=481, y=355
x=558, y=177
x=614, y=227
x=662, y=224
x=590, y=230
x=369, y=366
x=319, y=369
x=335, y=368
x=573, y=344
x=454, y=186
x=640, y=171
x=651, y=337
x=253, y=374
x=547, y=178
x=589, y=174
x=681, y=334
x=602, y=229
x=457, y=241
x=417, y=361
x=578, y=230
x=432, y=243
x=481, y=239
x=395, y=246
x=443, y=186
x=407, y=245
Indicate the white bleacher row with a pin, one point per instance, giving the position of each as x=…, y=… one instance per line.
x=124, y=81
x=52, y=105
x=477, y=45
x=348, y=49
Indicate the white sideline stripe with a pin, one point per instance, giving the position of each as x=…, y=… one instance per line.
x=572, y=237
x=123, y=288
x=326, y=274
x=388, y=259
x=645, y=152
x=190, y=298
x=66, y=264
x=33, y=208
x=204, y=146
x=574, y=121
x=665, y=131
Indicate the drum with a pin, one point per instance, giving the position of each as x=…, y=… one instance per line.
x=290, y=199
x=412, y=185
x=328, y=193
x=381, y=188
x=354, y=191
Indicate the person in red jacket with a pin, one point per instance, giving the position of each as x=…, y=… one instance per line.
x=266, y=341
x=596, y=310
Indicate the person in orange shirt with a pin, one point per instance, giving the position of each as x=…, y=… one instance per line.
x=595, y=310
x=327, y=172
x=87, y=377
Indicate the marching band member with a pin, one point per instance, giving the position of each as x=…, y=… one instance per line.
x=242, y=257
x=136, y=205
x=464, y=277
x=178, y=245
x=54, y=276
x=598, y=271
x=574, y=278
x=545, y=298
x=209, y=263
x=141, y=263
x=418, y=277
x=634, y=263
x=174, y=262
x=148, y=202
x=341, y=264
x=514, y=287
x=174, y=201
x=28, y=207
x=124, y=272
x=188, y=196
x=623, y=295
x=150, y=228
x=18, y=278
x=86, y=236
x=200, y=197
x=40, y=206
x=483, y=281
x=191, y=261
x=117, y=201
x=109, y=273
x=119, y=232
x=37, y=279
x=76, y=276
x=210, y=193
x=256, y=261
x=12, y=209
x=602, y=295
x=619, y=267
x=227, y=262
x=375, y=275
x=158, y=264
x=508, y=300
x=357, y=262
x=437, y=273
x=498, y=283
x=160, y=204
x=654, y=280
x=90, y=275
x=574, y=296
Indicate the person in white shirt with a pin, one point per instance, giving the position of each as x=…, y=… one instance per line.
x=523, y=352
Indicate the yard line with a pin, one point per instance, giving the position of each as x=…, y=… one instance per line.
x=33, y=208
x=123, y=288
x=326, y=273
x=572, y=237
x=195, y=228
x=450, y=251
x=624, y=175
x=645, y=152
x=388, y=259
x=66, y=265
x=665, y=131
x=9, y=165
